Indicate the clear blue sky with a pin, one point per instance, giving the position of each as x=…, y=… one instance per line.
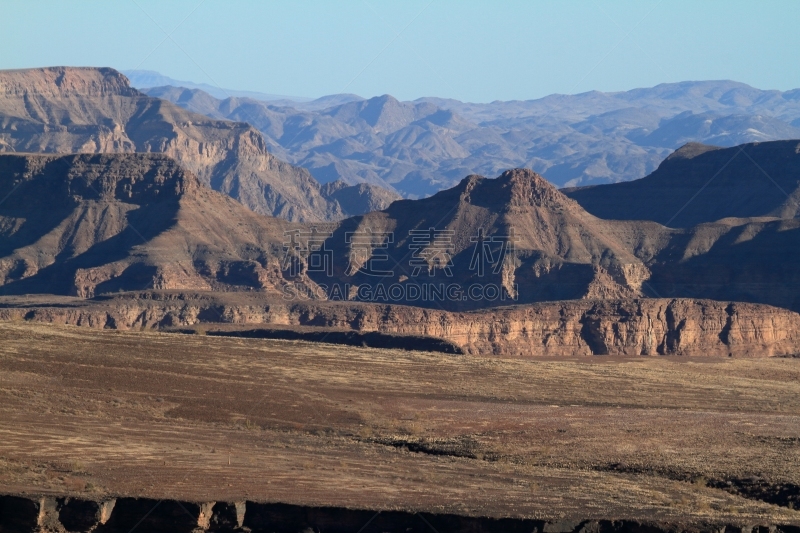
x=470, y=50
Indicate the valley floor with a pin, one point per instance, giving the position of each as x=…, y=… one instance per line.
x=97, y=414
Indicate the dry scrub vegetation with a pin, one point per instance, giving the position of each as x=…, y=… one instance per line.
x=207, y=418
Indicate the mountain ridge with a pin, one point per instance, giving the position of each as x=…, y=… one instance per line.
x=584, y=139
x=701, y=184
x=146, y=223
x=90, y=223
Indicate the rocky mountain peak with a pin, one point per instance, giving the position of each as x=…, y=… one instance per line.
x=527, y=188
x=385, y=113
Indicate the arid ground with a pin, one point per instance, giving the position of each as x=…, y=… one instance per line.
x=165, y=415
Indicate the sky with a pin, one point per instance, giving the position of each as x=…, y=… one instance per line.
x=477, y=51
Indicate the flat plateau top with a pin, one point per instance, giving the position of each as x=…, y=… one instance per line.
x=101, y=413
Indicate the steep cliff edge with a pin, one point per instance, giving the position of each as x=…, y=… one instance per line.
x=645, y=327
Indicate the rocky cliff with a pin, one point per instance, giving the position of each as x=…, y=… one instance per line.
x=645, y=327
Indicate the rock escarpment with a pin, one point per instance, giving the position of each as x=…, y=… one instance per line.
x=646, y=327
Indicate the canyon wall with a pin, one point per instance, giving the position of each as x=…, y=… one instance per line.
x=642, y=327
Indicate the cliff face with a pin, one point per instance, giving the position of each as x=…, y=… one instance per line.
x=647, y=327
x=89, y=110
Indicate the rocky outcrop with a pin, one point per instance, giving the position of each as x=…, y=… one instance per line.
x=645, y=327
x=26, y=514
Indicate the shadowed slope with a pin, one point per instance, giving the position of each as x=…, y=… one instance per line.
x=699, y=183
x=87, y=224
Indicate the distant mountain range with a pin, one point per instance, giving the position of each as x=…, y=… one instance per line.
x=144, y=79
x=418, y=148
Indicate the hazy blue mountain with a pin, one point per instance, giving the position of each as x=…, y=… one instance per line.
x=147, y=79
x=143, y=79
x=418, y=148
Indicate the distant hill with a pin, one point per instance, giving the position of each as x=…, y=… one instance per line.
x=93, y=110
x=700, y=183
x=418, y=148
x=146, y=79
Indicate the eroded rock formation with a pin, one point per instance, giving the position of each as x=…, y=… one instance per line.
x=646, y=327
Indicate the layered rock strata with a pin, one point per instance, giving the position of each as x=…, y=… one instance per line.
x=644, y=327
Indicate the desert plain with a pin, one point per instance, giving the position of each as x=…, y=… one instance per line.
x=100, y=414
